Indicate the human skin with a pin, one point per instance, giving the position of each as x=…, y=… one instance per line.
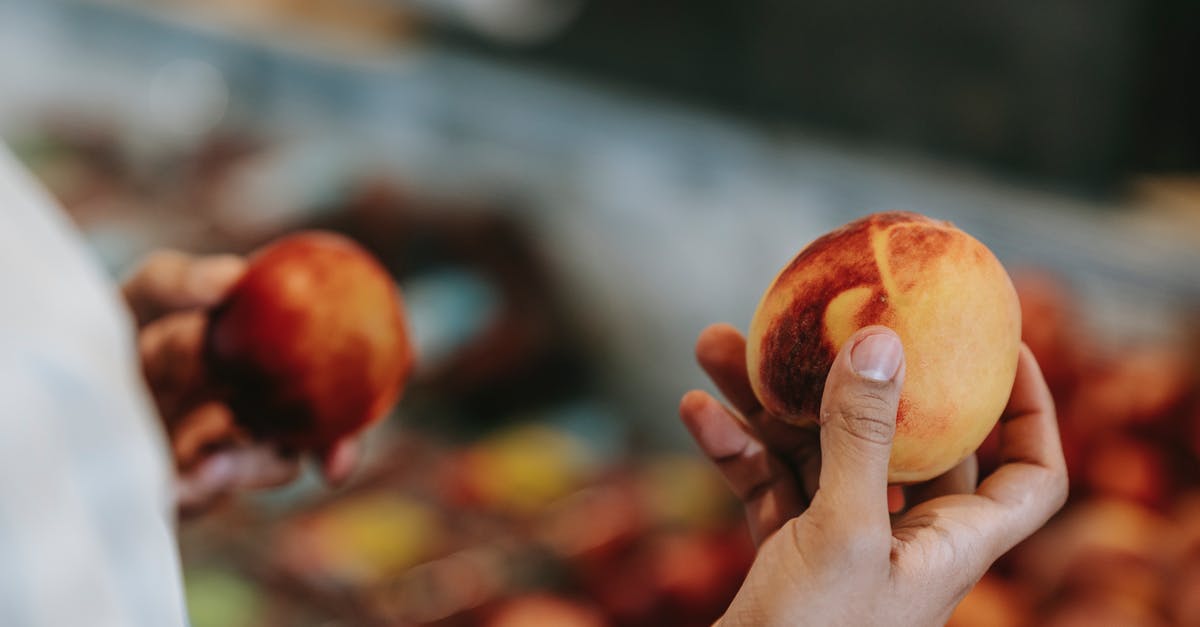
x=817, y=504
x=169, y=295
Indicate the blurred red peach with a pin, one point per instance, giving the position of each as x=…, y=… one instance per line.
x=993, y=602
x=1100, y=611
x=1102, y=526
x=1049, y=325
x=311, y=342
x=542, y=610
x=1126, y=468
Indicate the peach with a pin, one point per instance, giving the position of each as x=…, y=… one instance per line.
x=311, y=344
x=993, y=602
x=1124, y=467
x=543, y=609
x=943, y=292
x=1087, y=532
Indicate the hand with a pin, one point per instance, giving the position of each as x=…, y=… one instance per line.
x=817, y=503
x=169, y=295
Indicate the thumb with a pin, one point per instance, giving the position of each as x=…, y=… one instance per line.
x=858, y=422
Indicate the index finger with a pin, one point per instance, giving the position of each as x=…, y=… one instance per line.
x=169, y=281
x=721, y=352
x=339, y=460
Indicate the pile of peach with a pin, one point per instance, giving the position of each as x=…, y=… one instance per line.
x=1126, y=548
x=518, y=528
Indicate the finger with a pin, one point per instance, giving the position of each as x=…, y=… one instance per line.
x=204, y=429
x=338, y=461
x=200, y=488
x=170, y=281
x=227, y=472
x=858, y=422
x=764, y=484
x=741, y=459
x=962, y=479
x=1015, y=500
x=1031, y=482
x=262, y=466
x=171, y=351
x=721, y=352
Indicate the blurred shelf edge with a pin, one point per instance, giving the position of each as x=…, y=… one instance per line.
x=394, y=34
x=565, y=130
x=363, y=32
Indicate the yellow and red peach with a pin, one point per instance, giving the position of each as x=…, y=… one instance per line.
x=943, y=292
x=311, y=343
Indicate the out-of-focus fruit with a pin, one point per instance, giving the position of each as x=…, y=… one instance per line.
x=1100, y=611
x=1103, y=526
x=1141, y=386
x=993, y=602
x=696, y=576
x=1048, y=326
x=1186, y=513
x=1184, y=590
x=595, y=523
x=1135, y=581
x=311, y=343
x=686, y=492
x=219, y=598
x=540, y=610
x=361, y=540
x=946, y=296
x=624, y=588
x=446, y=587
x=521, y=470
x=1191, y=430
x=1126, y=468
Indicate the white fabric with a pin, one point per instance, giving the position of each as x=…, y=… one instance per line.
x=86, y=529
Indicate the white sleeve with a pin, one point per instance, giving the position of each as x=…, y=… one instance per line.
x=86, y=524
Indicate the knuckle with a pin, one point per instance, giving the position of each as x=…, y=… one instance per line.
x=868, y=416
x=861, y=548
x=151, y=271
x=1059, y=488
x=849, y=542
x=872, y=400
x=863, y=545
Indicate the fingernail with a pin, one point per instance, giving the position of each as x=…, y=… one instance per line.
x=877, y=357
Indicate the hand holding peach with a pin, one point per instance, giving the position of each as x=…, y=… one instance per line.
x=940, y=290
x=311, y=343
x=229, y=435
x=829, y=551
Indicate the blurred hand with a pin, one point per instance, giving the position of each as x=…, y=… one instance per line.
x=817, y=501
x=169, y=295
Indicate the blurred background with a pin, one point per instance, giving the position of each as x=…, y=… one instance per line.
x=568, y=191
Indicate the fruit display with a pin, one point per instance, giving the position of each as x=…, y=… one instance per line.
x=504, y=490
x=946, y=296
x=406, y=544
x=1123, y=550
